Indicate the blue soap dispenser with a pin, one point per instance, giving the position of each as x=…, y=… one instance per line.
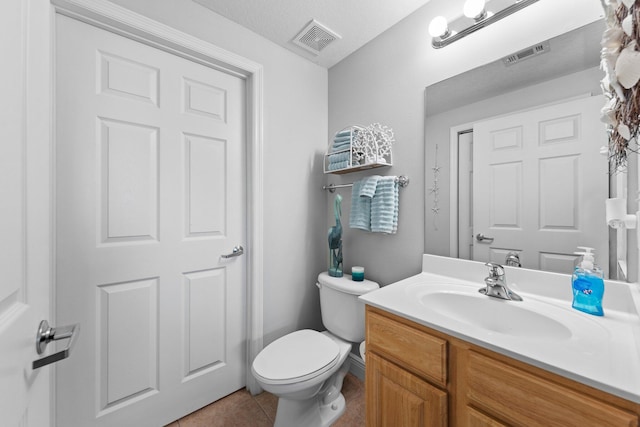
x=588, y=284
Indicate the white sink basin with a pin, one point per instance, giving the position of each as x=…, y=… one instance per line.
x=533, y=319
x=497, y=315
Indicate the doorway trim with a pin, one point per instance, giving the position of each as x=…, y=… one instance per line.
x=117, y=19
x=454, y=131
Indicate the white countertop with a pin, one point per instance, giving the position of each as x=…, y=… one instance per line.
x=602, y=352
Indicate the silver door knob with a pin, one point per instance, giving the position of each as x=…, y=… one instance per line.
x=481, y=238
x=236, y=251
x=46, y=334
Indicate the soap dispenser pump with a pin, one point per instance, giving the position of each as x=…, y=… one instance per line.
x=588, y=284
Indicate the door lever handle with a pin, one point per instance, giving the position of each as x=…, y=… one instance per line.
x=481, y=238
x=237, y=251
x=46, y=334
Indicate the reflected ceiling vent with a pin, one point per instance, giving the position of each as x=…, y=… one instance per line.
x=527, y=53
x=315, y=37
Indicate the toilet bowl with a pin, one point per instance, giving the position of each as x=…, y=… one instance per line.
x=305, y=369
x=363, y=349
x=307, y=359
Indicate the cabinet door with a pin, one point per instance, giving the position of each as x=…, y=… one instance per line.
x=397, y=398
x=520, y=398
x=477, y=419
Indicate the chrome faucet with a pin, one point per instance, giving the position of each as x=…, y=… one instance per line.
x=497, y=284
x=513, y=259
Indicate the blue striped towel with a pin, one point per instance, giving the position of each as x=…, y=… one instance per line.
x=337, y=146
x=346, y=132
x=369, y=184
x=338, y=165
x=384, y=206
x=360, y=215
x=374, y=204
x=339, y=157
x=346, y=138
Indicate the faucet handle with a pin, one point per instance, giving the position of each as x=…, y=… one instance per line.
x=495, y=270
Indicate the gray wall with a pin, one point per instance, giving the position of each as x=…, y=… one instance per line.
x=384, y=82
x=295, y=134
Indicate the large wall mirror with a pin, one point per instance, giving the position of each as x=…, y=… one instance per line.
x=518, y=142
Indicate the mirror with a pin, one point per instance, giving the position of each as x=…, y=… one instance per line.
x=562, y=69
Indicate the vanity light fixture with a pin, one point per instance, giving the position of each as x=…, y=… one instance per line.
x=476, y=14
x=475, y=9
x=439, y=27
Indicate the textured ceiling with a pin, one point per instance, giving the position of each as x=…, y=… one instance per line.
x=356, y=21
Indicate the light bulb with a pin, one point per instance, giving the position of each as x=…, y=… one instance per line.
x=474, y=9
x=439, y=27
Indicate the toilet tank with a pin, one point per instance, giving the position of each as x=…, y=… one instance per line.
x=342, y=312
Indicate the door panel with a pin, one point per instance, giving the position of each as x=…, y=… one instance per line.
x=539, y=182
x=150, y=192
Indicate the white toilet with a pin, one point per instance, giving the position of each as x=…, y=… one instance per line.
x=305, y=368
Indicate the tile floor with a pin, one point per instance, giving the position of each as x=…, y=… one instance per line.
x=240, y=409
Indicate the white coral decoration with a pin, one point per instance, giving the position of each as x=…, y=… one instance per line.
x=621, y=64
x=373, y=143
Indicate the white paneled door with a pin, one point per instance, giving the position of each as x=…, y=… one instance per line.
x=24, y=237
x=150, y=192
x=539, y=182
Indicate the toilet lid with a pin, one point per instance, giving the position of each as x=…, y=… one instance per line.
x=298, y=356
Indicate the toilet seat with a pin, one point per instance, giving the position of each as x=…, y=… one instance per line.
x=296, y=357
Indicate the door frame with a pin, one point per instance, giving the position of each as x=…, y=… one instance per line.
x=454, y=131
x=119, y=20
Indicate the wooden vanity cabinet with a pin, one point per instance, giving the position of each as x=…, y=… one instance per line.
x=399, y=398
x=417, y=376
x=396, y=396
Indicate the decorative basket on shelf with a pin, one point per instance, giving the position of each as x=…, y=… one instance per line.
x=357, y=148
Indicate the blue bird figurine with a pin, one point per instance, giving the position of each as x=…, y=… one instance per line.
x=335, y=240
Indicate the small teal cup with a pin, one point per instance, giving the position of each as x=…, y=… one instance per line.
x=357, y=274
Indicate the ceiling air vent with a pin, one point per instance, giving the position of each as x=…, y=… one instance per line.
x=315, y=37
x=527, y=53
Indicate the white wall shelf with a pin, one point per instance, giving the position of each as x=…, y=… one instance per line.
x=343, y=156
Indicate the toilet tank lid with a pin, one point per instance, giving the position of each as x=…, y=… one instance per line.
x=346, y=285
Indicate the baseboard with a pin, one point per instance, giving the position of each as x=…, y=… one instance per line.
x=357, y=366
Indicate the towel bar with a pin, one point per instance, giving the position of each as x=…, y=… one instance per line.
x=402, y=180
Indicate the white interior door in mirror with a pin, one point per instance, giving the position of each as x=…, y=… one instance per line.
x=539, y=184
